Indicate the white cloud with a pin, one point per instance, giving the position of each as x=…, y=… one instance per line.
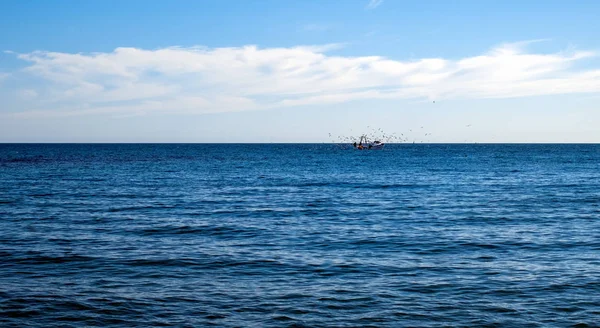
x=207, y=80
x=374, y=4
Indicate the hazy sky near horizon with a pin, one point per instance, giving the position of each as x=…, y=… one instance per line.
x=299, y=71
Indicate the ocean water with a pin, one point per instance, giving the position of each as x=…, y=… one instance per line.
x=284, y=235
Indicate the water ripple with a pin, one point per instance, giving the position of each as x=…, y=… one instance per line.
x=299, y=236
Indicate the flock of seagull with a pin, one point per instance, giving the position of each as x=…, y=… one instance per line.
x=380, y=135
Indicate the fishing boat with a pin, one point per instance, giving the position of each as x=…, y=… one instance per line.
x=365, y=143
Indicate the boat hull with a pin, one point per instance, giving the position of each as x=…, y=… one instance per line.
x=371, y=146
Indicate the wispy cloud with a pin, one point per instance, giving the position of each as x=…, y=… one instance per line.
x=27, y=94
x=374, y=4
x=208, y=80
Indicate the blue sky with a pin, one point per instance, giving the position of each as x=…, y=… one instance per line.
x=298, y=71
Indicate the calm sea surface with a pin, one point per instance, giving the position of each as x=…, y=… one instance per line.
x=244, y=235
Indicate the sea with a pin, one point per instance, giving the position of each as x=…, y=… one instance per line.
x=299, y=235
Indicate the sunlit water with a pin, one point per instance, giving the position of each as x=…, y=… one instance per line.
x=299, y=235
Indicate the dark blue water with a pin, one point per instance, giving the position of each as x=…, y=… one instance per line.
x=299, y=236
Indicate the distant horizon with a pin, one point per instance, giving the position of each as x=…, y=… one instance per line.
x=295, y=143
